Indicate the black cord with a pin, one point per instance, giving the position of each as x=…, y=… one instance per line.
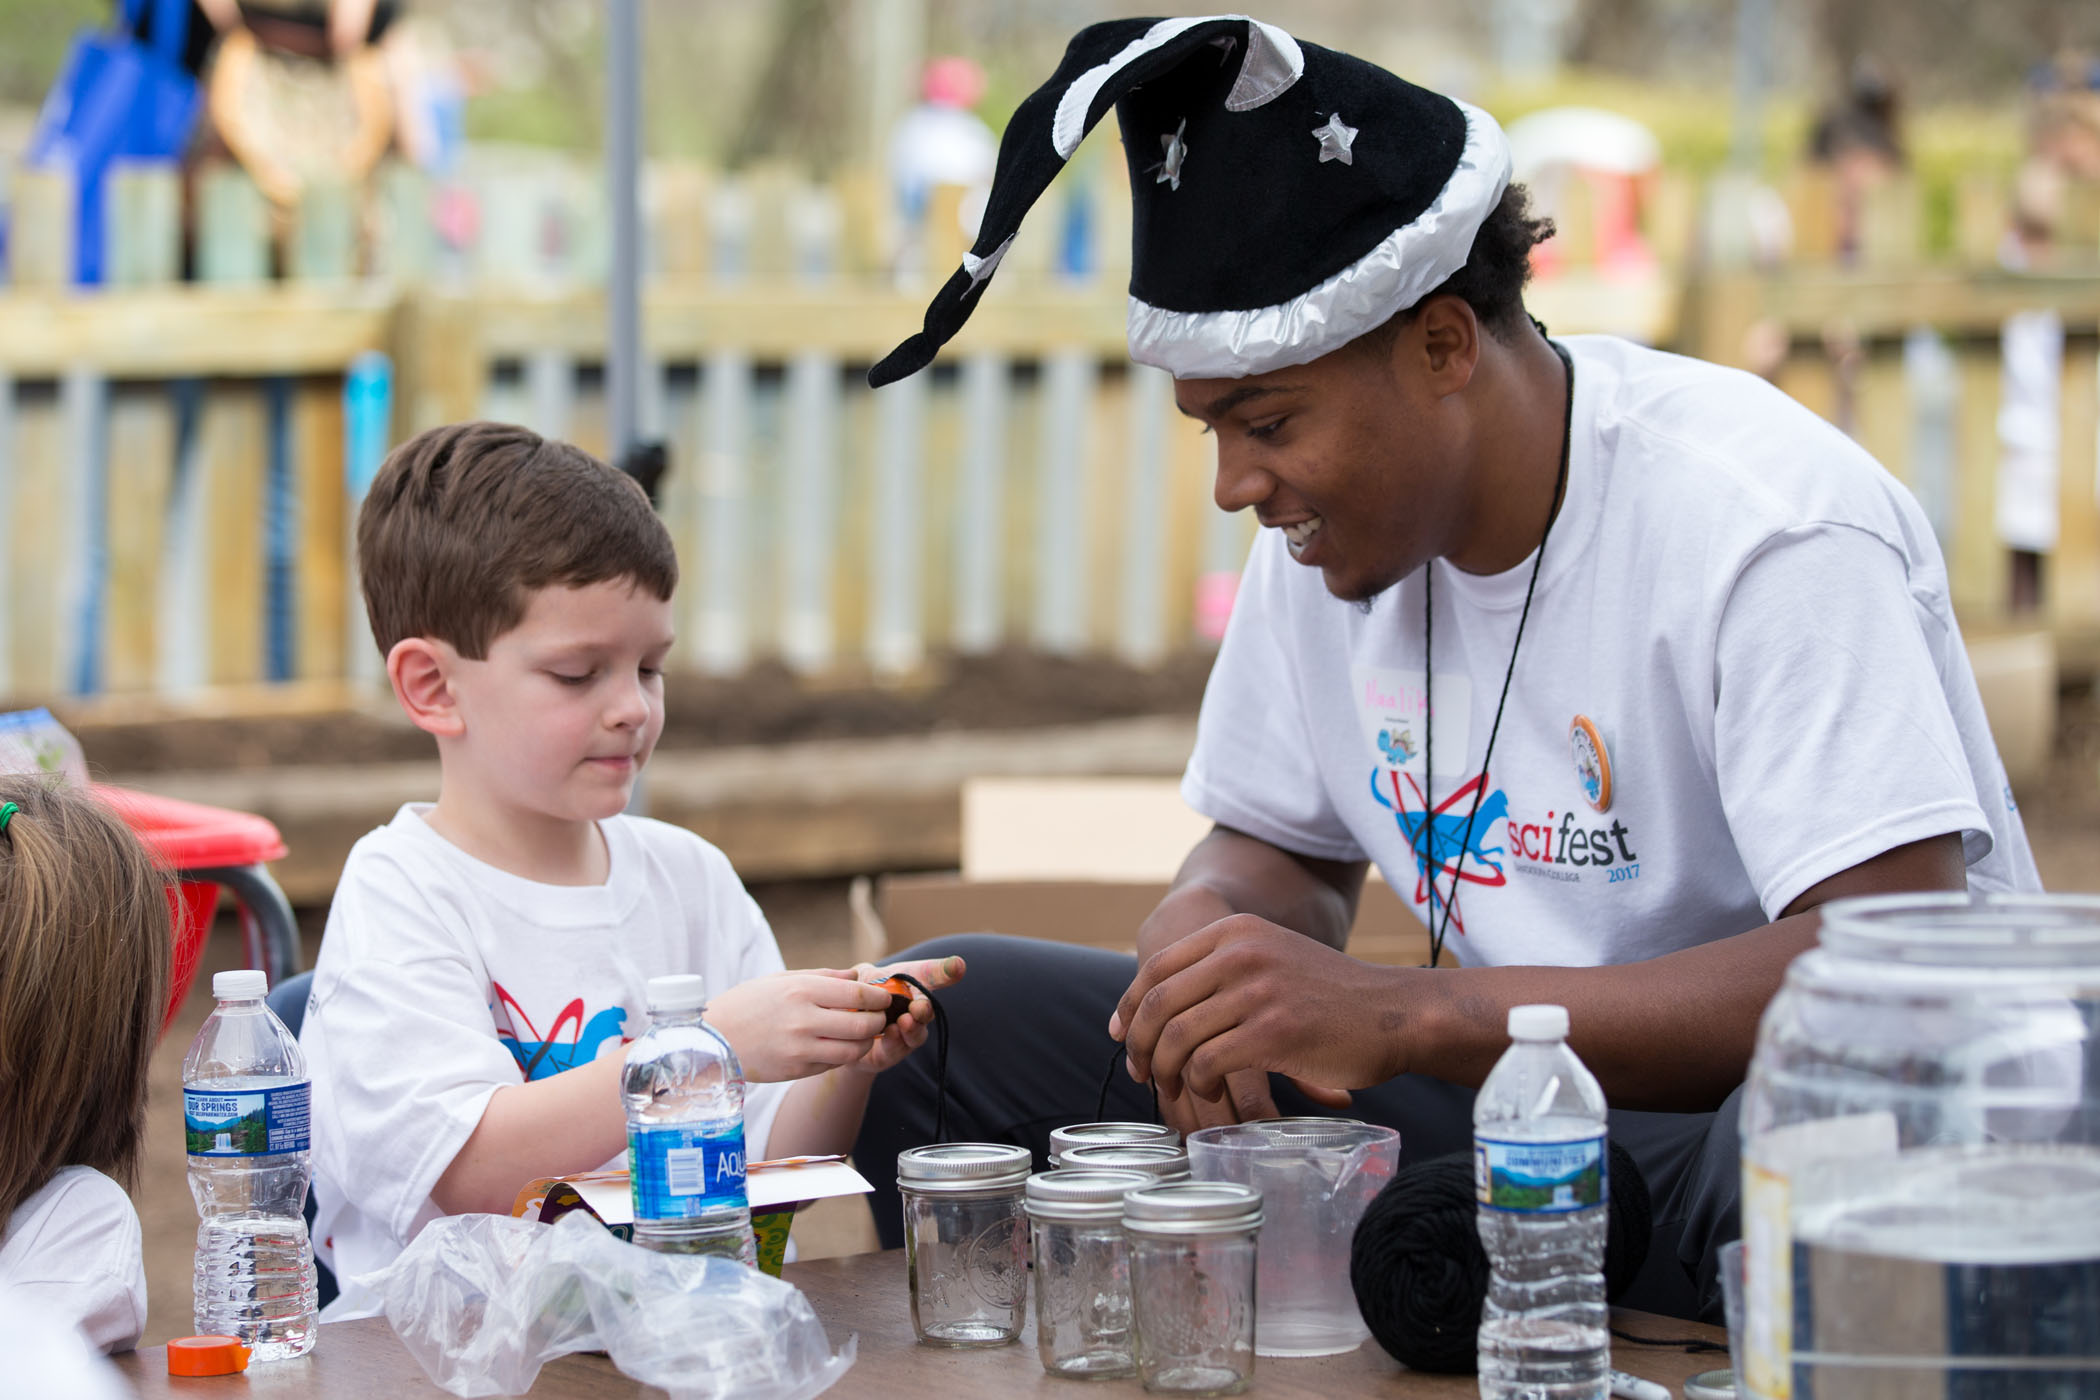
x=1101, y=1104
x=1692, y=1344
x=940, y=1056
x=1438, y=930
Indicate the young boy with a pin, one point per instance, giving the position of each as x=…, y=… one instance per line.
x=486, y=953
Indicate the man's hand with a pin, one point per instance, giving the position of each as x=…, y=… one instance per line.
x=1244, y=994
x=1246, y=1098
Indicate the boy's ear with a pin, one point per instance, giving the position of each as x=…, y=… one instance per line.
x=421, y=670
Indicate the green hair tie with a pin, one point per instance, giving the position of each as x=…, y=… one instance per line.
x=7, y=814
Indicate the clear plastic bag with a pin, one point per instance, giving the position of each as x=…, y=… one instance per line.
x=483, y=1301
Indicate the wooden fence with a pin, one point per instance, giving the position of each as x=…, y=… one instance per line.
x=179, y=463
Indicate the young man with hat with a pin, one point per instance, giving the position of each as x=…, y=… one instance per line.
x=1618, y=664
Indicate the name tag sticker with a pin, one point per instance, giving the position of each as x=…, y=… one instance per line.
x=1394, y=709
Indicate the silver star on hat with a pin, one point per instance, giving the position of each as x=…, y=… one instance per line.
x=1177, y=151
x=1335, y=140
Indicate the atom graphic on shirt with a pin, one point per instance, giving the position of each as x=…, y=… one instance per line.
x=549, y=1054
x=1437, y=854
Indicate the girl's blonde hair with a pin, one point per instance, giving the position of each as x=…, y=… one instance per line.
x=84, y=951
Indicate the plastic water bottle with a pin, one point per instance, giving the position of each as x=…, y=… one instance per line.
x=1539, y=1169
x=685, y=1129
x=244, y=1109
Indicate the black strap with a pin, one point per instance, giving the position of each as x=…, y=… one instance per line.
x=940, y=1056
x=1425, y=833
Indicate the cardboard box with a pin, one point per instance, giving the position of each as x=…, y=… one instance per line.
x=776, y=1191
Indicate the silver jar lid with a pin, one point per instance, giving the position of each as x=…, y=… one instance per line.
x=1192, y=1208
x=962, y=1166
x=1106, y=1134
x=1162, y=1161
x=1080, y=1193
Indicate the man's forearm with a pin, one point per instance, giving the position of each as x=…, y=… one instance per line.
x=1703, y=1003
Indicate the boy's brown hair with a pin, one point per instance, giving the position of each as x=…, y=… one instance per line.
x=465, y=522
x=84, y=953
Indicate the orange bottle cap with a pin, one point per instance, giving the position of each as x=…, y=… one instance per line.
x=206, y=1356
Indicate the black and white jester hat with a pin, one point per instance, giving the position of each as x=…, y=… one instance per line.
x=1286, y=198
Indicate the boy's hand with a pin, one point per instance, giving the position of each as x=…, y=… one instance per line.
x=909, y=1032
x=795, y=1024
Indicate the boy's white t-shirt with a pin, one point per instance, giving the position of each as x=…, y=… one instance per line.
x=1738, y=606
x=74, y=1247
x=442, y=979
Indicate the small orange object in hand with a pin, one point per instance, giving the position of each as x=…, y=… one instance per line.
x=206, y=1356
x=901, y=992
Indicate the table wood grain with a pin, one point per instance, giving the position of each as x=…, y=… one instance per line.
x=864, y=1296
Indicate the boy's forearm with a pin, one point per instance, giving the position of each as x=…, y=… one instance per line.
x=820, y=1115
x=570, y=1122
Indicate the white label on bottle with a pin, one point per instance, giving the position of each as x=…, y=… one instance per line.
x=1770, y=1162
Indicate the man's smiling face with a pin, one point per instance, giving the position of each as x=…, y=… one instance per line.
x=1357, y=457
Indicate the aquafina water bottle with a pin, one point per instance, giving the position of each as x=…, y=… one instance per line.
x=244, y=1113
x=685, y=1129
x=1539, y=1167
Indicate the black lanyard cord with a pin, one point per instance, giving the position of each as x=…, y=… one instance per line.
x=1423, y=843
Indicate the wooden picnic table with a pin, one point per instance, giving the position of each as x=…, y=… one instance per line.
x=865, y=1294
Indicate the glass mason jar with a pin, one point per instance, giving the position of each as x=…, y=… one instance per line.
x=1162, y=1161
x=1082, y=1271
x=965, y=1241
x=1192, y=1255
x=1921, y=1155
x=1107, y=1135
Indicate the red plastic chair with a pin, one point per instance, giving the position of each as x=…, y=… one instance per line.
x=210, y=847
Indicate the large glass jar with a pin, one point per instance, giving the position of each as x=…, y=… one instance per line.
x=1107, y=1135
x=1921, y=1156
x=1192, y=1258
x=1161, y=1160
x=1082, y=1271
x=965, y=1241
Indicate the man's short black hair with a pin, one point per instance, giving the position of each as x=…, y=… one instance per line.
x=1492, y=280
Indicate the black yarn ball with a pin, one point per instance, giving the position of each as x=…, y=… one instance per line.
x=1420, y=1273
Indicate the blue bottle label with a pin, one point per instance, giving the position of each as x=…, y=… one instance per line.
x=678, y=1173
x=1539, y=1178
x=246, y=1122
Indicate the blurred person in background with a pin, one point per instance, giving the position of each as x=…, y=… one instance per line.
x=941, y=141
x=2063, y=146
x=1860, y=139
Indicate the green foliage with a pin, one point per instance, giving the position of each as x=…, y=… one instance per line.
x=33, y=39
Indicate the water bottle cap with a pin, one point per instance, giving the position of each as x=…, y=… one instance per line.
x=682, y=991
x=241, y=984
x=1538, y=1023
x=207, y=1356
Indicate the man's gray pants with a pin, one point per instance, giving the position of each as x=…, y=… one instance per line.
x=1029, y=1049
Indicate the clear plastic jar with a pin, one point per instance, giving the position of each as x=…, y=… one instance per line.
x=1162, y=1161
x=1107, y=1135
x=1192, y=1258
x=1082, y=1271
x=1921, y=1155
x=965, y=1241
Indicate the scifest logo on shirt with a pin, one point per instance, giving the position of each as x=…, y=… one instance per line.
x=1438, y=834
x=1499, y=842
x=571, y=1039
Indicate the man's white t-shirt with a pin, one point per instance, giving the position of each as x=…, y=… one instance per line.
x=74, y=1247
x=1740, y=675
x=442, y=979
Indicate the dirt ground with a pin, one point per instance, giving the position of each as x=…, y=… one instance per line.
x=810, y=918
